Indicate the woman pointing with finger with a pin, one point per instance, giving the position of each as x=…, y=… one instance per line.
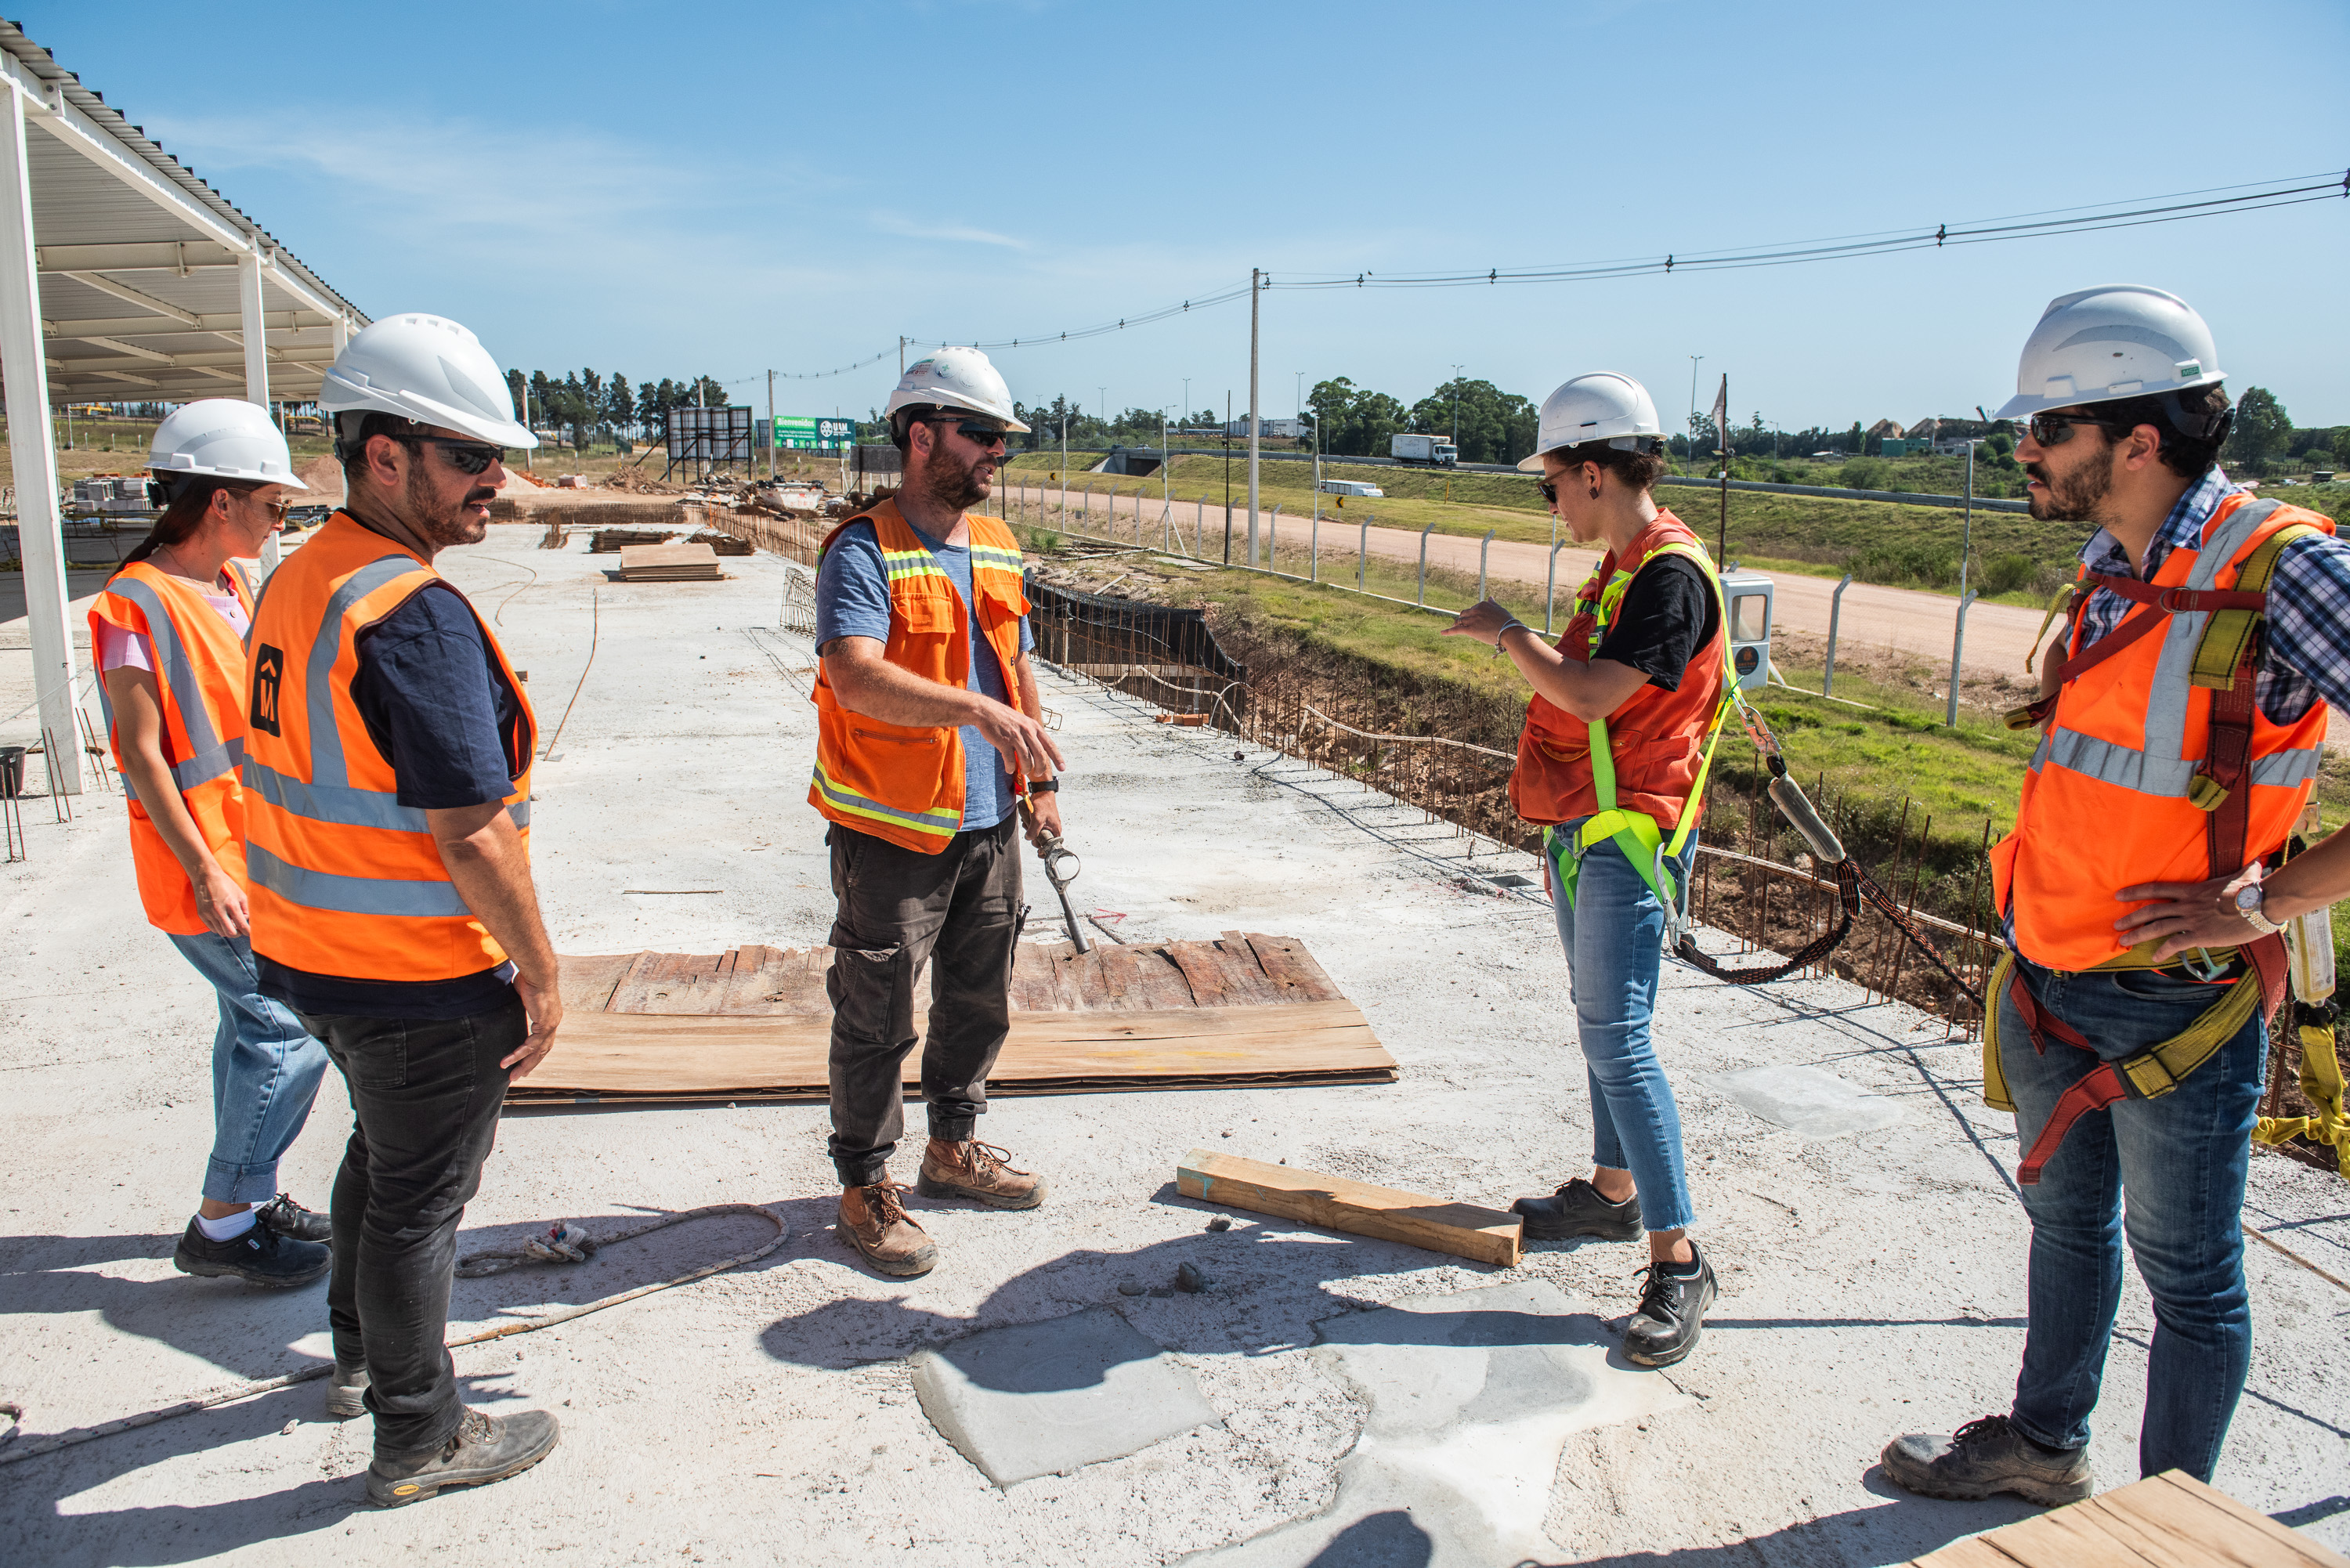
x=1612, y=765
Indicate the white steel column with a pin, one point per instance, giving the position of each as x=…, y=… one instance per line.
x=32, y=447
x=253, y=331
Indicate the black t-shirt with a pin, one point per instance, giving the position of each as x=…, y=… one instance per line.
x=1668, y=613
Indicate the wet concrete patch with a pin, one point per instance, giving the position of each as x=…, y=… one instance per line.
x=1807, y=1100
x=1041, y=1398
x=1470, y=1395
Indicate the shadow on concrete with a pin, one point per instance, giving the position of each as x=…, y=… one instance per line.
x=36, y=1489
x=1384, y=1539
x=2309, y=1513
x=1904, y=1528
x=1267, y=1294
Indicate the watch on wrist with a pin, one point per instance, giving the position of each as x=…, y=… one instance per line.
x=2251, y=901
x=1043, y=786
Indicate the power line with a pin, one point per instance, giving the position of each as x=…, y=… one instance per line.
x=2208, y=201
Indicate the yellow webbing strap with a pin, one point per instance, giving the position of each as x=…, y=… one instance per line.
x=2160, y=1067
x=2056, y=603
x=2320, y=1085
x=2222, y=648
x=1635, y=832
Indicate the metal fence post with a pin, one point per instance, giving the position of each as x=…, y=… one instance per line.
x=1313, y=550
x=1271, y=539
x=1958, y=647
x=1363, y=557
x=1423, y=564
x=1482, y=550
x=1550, y=590
x=1835, y=609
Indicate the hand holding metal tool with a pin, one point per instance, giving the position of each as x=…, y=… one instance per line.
x=1061, y=868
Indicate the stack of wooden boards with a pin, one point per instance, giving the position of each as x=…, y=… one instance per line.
x=723, y=544
x=2169, y=1521
x=668, y=564
x=1244, y=1011
x=608, y=541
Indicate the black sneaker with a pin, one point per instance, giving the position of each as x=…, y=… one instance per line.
x=259, y=1257
x=1986, y=1456
x=482, y=1448
x=287, y=1218
x=1671, y=1318
x=1578, y=1209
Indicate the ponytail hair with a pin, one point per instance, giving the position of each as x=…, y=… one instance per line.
x=191, y=502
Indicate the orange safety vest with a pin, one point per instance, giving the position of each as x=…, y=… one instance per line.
x=1657, y=739
x=346, y=880
x=199, y=679
x=2156, y=764
x=904, y=782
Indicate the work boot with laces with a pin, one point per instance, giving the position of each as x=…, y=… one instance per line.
x=1577, y=1209
x=287, y=1218
x=1671, y=1318
x=874, y=1221
x=482, y=1448
x=1985, y=1457
x=979, y=1171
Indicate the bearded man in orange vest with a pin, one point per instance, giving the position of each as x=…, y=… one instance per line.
x=2183, y=719
x=1618, y=736
x=387, y=771
x=929, y=748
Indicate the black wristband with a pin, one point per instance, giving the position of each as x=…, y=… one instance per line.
x=1043, y=786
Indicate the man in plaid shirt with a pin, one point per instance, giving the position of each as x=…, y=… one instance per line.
x=2182, y=732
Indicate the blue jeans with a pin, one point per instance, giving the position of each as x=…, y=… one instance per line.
x=1613, y=935
x=266, y=1073
x=2181, y=1160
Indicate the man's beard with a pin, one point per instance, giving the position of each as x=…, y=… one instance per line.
x=446, y=522
x=2076, y=497
x=949, y=487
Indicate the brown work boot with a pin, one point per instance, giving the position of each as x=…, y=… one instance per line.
x=876, y=1223
x=978, y=1171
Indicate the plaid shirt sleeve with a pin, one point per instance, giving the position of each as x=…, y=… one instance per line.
x=2309, y=619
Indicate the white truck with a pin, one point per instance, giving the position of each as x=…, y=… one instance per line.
x=1351, y=487
x=1424, y=449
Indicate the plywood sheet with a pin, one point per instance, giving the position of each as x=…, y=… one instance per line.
x=2169, y=1521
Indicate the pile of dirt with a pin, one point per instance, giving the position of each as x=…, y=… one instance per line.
x=324, y=476
x=636, y=480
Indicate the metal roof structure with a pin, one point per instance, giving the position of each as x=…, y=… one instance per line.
x=143, y=266
x=123, y=278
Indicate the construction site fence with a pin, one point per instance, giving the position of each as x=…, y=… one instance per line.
x=1740, y=885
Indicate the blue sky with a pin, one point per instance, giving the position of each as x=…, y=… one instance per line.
x=723, y=189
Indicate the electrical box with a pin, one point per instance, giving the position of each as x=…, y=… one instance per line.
x=1747, y=595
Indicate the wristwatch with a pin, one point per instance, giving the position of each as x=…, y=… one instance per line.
x=1043, y=786
x=2249, y=898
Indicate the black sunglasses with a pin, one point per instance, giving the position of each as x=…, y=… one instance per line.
x=983, y=435
x=2055, y=430
x=1549, y=491
x=465, y=456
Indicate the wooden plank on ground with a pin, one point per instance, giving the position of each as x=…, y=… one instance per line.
x=682, y=1056
x=1358, y=1208
x=2169, y=1521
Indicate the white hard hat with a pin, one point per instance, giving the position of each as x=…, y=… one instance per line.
x=427, y=369
x=2107, y=343
x=954, y=378
x=1602, y=406
x=225, y=438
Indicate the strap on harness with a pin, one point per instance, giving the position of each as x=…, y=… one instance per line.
x=2144, y=1075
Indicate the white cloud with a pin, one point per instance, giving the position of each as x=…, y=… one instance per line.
x=915, y=229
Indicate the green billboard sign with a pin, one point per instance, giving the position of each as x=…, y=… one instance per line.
x=810, y=433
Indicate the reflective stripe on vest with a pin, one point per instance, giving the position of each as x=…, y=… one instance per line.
x=346, y=880
x=198, y=674
x=904, y=782
x=2120, y=787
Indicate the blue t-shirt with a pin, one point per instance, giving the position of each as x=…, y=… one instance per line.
x=852, y=599
x=438, y=709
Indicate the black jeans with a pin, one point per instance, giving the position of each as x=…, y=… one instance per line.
x=426, y=1094
x=959, y=908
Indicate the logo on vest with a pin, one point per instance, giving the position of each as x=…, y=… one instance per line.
x=268, y=672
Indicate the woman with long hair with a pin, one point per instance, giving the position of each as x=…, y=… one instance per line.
x=167, y=635
x=1612, y=766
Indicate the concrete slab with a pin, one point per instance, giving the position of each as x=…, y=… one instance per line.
x=1873, y=1283
x=1041, y=1398
x=1472, y=1396
x=1807, y=1100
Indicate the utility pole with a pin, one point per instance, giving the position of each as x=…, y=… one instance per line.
x=1103, y=392
x=1692, y=424
x=1721, y=434
x=1456, y=407
x=1966, y=552
x=1228, y=475
x=771, y=424
x=1257, y=289
x=901, y=355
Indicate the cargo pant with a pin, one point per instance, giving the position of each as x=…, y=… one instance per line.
x=960, y=909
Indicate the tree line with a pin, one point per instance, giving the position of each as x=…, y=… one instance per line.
x=589, y=404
